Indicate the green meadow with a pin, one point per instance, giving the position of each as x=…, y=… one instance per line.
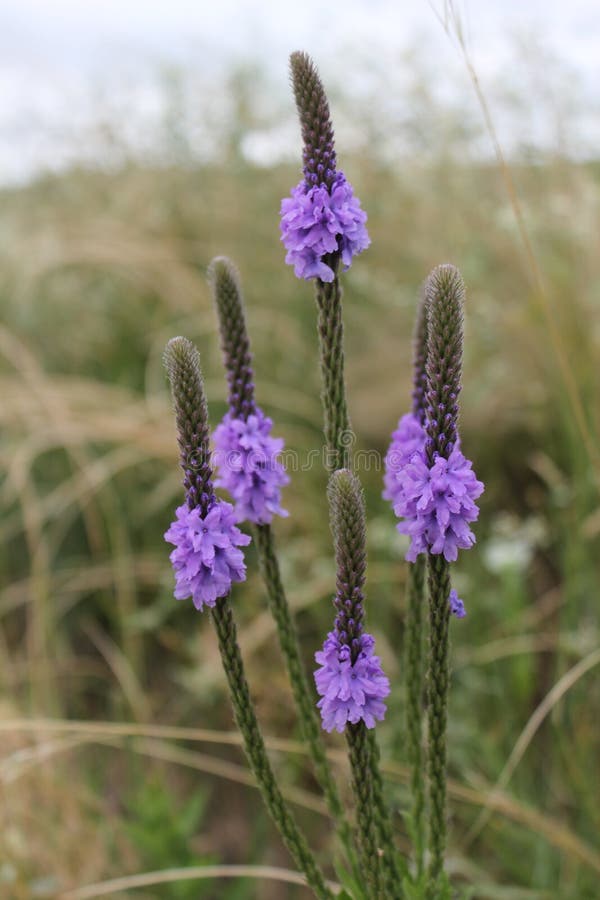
x=119, y=754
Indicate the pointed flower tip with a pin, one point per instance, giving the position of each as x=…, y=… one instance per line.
x=346, y=501
x=180, y=353
x=303, y=74
x=444, y=280
x=249, y=468
x=446, y=273
x=222, y=269
x=300, y=58
x=310, y=97
x=343, y=481
x=177, y=346
x=182, y=363
x=206, y=559
x=226, y=289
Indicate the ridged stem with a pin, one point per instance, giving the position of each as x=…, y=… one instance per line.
x=437, y=710
x=254, y=746
x=445, y=293
x=371, y=806
x=415, y=676
x=303, y=694
x=393, y=866
x=338, y=439
x=361, y=764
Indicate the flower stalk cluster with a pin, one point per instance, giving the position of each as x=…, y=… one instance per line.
x=244, y=431
x=429, y=482
x=349, y=679
x=432, y=487
x=204, y=531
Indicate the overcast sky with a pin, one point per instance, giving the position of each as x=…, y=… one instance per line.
x=55, y=53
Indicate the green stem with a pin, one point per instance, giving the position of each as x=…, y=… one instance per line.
x=375, y=829
x=338, y=438
x=362, y=786
x=303, y=694
x=254, y=746
x=414, y=706
x=438, y=682
x=393, y=867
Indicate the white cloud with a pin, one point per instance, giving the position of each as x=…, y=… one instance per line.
x=53, y=53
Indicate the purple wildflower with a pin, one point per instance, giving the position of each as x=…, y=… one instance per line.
x=350, y=680
x=408, y=439
x=248, y=466
x=206, y=559
x=318, y=221
x=438, y=503
x=457, y=607
x=350, y=691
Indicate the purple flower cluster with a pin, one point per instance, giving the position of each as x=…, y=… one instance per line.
x=457, y=607
x=206, y=559
x=408, y=439
x=317, y=221
x=248, y=467
x=437, y=504
x=350, y=691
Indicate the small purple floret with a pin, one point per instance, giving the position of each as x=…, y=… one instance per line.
x=316, y=221
x=408, y=438
x=350, y=691
x=206, y=559
x=246, y=457
x=437, y=504
x=457, y=607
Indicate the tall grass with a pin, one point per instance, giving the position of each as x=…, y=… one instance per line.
x=97, y=270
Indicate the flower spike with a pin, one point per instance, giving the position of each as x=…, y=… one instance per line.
x=434, y=491
x=246, y=456
x=206, y=559
x=248, y=467
x=350, y=680
x=323, y=221
x=226, y=289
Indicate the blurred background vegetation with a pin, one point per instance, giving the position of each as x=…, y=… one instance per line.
x=99, y=266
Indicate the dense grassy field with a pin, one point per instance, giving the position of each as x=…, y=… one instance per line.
x=97, y=271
